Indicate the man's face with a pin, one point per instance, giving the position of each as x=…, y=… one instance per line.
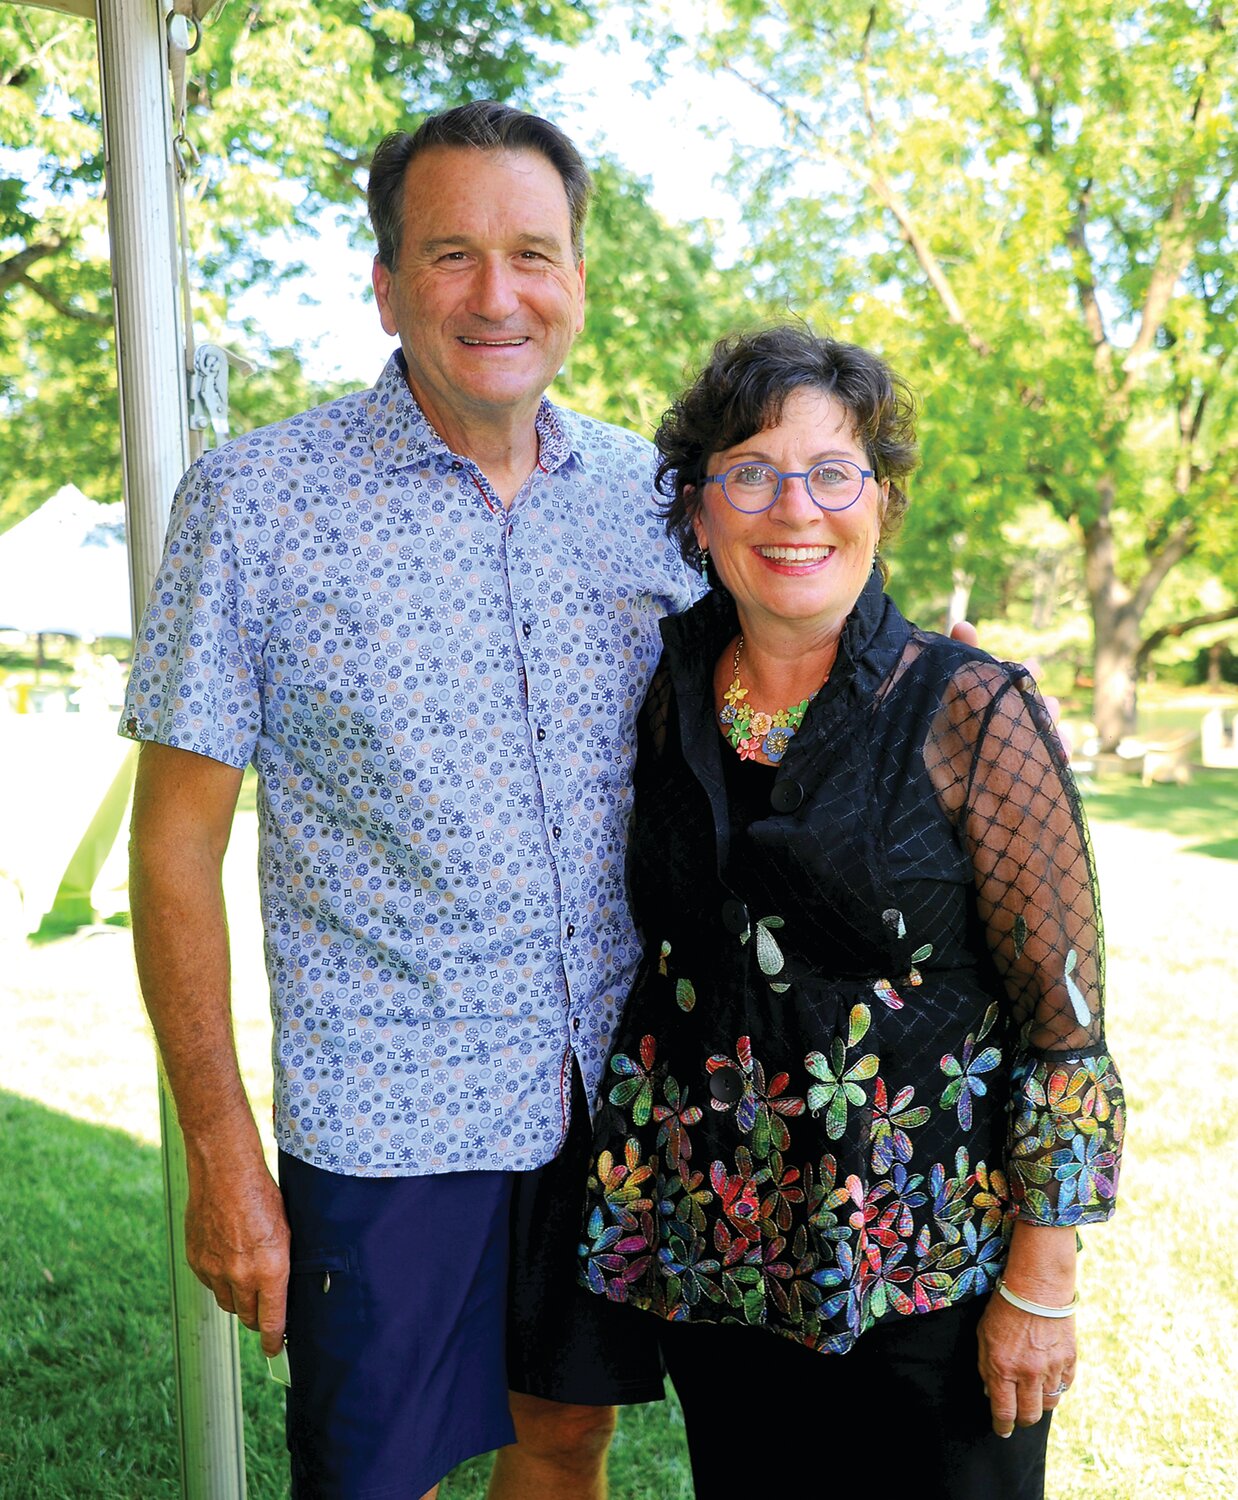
x=486, y=296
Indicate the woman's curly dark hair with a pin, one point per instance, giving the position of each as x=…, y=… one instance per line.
x=742, y=391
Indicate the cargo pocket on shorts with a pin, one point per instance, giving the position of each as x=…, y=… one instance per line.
x=325, y=1295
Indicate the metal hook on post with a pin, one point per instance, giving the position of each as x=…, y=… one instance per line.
x=180, y=24
x=208, y=388
x=184, y=38
x=185, y=155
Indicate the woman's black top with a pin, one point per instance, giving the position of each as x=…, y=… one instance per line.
x=868, y=1031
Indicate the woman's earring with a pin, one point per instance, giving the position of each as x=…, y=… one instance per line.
x=704, y=562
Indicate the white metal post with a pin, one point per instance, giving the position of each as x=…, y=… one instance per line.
x=154, y=436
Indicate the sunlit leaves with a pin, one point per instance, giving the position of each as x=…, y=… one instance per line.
x=656, y=303
x=285, y=103
x=998, y=201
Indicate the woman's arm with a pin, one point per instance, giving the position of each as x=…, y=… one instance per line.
x=1027, y=1361
x=1000, y=773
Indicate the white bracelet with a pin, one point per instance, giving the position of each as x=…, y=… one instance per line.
x=1035, y=1307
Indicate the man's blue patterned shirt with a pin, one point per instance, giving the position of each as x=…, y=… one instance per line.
x=439, y=697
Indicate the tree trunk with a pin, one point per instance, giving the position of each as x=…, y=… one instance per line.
x=1046, y=585
x=960, y=598
x=1215, y=680
x=960, y=583
x=1114, y=702
x=1115, y=629
x=1117, y=614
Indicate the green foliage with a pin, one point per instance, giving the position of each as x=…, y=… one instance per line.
x=274, y=158
x=1035, y=219
x=285, y=103
x=288, y=100
x=59, y=414
x=55, y=296
x=655, y=304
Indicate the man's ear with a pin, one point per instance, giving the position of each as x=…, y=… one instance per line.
x=580, y=307
x=380, y=280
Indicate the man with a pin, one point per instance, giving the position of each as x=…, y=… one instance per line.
x=428, y=614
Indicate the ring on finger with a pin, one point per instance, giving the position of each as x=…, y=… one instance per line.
x=1059, y=1390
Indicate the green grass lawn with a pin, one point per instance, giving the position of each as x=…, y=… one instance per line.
x=86, y=1400
x=1202, y=819
x=1165, y=708
x=86, y=1384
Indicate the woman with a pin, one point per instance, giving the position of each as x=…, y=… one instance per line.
x=860, y=1097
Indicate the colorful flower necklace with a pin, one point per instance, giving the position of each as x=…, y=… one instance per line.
x=751, y=732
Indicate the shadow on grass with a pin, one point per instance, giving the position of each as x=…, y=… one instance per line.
x=1203, y=815
x=86, y=1377
x=87, y=1399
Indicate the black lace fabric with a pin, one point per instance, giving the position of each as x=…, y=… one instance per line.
x=868, y=1035
x=998, y=769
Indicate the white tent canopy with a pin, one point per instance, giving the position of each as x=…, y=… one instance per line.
x=65, y=568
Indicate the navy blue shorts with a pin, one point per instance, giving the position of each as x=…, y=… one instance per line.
x=405, y=1331
x=396, y=1310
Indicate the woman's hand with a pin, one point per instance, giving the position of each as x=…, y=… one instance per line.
x=1027, y=1363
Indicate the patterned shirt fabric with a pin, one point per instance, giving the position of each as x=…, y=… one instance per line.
x=869, y=1031
x=439, y=697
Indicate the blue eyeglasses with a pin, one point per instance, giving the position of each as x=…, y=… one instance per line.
x=751, y=488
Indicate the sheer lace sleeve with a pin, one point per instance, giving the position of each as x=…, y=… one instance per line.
x=1000, y=773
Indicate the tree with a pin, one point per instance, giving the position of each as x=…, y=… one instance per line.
x=275, y=157
x=655, y=305
x=1036, y=220
x=55, y=298
x=285, y=101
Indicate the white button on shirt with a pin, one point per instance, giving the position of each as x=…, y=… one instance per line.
x=440, y=699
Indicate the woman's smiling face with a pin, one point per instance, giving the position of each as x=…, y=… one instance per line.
x=794, y=562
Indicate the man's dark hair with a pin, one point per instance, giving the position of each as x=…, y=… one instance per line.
x=742, y=391
x=484, y=125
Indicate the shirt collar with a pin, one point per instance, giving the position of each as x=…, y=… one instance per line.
x=401, y=434
x=872, y=639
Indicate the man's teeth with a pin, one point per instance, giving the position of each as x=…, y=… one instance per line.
x=795, y=554
x=493, y=343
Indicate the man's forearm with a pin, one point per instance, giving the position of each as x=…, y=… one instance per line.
x=236, y=1232
x=181, y=945
x=183, y=806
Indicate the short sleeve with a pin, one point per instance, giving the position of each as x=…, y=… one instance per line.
x=195, y=683
x=1001, y=774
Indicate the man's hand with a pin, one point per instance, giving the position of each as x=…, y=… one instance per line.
x=236, y=1242
x=965, y=633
